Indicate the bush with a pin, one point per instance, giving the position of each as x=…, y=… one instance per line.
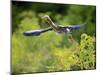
x=87, y=52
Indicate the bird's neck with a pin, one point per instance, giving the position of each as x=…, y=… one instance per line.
x=51, y=23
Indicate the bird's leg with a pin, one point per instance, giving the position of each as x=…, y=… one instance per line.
x=71, y=38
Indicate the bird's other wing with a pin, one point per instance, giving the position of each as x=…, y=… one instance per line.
x=75, y=27
x=36, y=32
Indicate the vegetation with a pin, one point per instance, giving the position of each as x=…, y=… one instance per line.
x=50, y=52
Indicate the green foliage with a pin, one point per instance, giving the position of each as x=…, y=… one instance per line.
x=87, y=52
x=50, y=52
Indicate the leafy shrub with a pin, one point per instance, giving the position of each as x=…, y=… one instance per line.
x=87, y=52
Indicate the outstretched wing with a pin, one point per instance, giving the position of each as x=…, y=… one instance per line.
x=36, y=32
x=74, y=27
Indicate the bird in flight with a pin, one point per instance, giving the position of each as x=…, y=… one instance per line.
x=53, y=27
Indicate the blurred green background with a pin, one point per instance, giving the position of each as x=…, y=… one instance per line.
x=50, y=52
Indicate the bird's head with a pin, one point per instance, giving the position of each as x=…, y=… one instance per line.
x=46, y=17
